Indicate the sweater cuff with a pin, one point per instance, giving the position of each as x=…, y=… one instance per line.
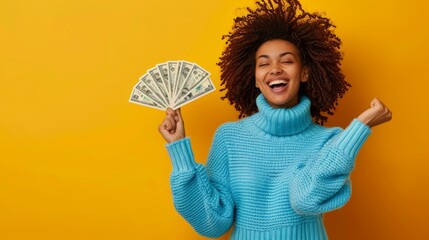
x=181, y=155
x=353, y=137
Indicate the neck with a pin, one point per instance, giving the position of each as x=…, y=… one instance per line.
x=283, y=121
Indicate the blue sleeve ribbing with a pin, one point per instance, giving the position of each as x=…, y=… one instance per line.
x=323, y=184
x=201, y=194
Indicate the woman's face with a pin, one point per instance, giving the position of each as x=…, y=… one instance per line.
x=279, y=72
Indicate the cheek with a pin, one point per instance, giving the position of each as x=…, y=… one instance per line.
x=258, y=82
x=258, y=78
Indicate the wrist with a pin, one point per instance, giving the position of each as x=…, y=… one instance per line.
x=364, y=120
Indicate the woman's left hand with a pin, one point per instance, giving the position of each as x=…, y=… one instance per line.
x=377, y=114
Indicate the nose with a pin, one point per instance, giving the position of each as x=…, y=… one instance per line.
x=275, y=69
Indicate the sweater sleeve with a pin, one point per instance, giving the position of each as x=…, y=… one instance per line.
x=201, y=194
x=323, y=184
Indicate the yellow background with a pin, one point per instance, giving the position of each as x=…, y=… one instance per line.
x=78, y=161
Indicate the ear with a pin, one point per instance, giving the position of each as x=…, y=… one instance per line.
x=256, y=85
x=304, y=74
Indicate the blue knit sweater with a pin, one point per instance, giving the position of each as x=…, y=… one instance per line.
x=271, y=175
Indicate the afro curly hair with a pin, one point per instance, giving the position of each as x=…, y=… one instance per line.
x=311, y=33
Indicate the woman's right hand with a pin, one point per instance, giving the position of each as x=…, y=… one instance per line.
x=172, y=127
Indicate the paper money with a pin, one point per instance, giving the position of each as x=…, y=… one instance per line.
x=142, y=99
x=173, y=68
x=155, y=91
x=156, y=75
x=204, y=87
x=148, y=92
x=172, y=84
x=163, y=69
x=196, y=75
x=182, y=75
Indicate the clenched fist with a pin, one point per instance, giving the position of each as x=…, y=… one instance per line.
x=172, y=127
x=377, y=114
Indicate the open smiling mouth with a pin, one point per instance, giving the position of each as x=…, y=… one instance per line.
x=277, y=84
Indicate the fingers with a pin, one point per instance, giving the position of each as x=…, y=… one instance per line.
x=382, y=108
x=179, y=116
x=375, y=102
x=172, y=127
x=180, y=127
x=166, y=126
x=377, y=114
x=171, y=117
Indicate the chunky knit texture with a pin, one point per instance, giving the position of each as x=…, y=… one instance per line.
x=271, y=175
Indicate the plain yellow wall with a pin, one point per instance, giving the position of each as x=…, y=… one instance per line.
x=78, y=161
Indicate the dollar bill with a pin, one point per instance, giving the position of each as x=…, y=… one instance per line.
x=163, y=69
x=145, y=89
x=202, y=88
x=171, y=84
x=142, y=99
x=196, y=75
x=183, y=72
x=173, y=67
x=150, y=83
x=156, y=75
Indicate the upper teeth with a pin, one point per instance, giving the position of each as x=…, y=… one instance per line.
x=277, y=82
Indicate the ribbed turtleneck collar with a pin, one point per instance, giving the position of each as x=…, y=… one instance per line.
x=282, y=121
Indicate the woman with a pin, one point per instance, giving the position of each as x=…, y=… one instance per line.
x=273, y=173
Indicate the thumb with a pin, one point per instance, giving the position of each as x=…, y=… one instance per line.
x=180, y=123
x=179, y=116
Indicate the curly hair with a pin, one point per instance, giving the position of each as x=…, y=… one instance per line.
x=311, y=33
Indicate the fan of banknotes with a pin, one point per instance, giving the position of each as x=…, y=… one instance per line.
x=171, y=85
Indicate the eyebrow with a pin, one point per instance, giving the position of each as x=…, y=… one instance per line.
x=280, y=55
